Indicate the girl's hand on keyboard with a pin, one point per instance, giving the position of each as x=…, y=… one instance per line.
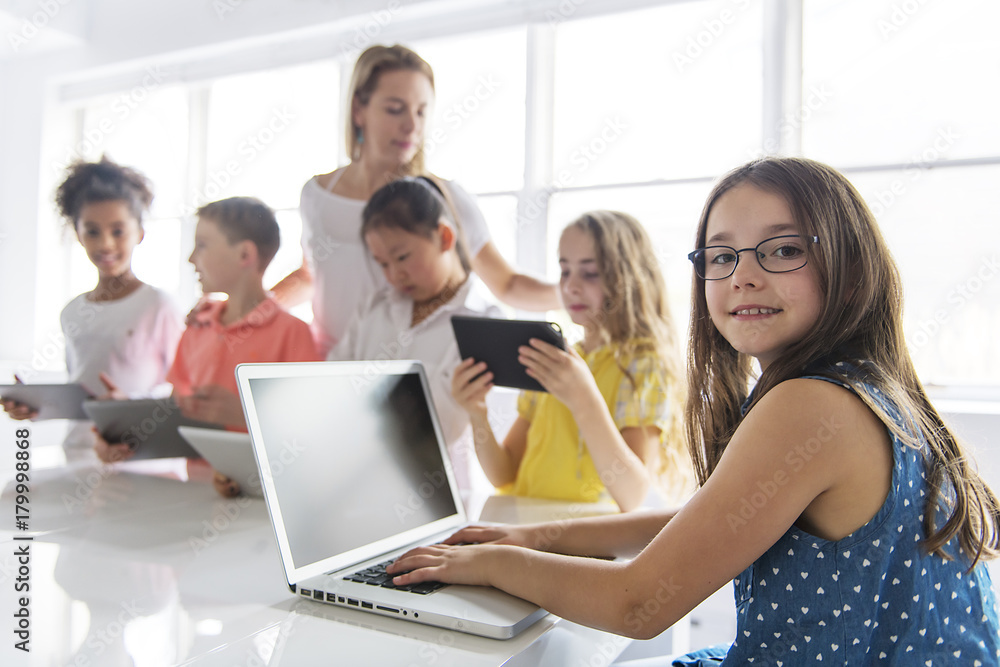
x=465, y=564
x=520, y=536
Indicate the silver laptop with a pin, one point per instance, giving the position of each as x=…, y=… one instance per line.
x=355, y=472
x=229, y=452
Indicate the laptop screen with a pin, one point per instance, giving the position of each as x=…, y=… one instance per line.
x=354, y=459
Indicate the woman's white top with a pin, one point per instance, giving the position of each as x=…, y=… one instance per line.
x=344, y=274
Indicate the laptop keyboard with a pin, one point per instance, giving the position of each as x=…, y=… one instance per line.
x=377, y=576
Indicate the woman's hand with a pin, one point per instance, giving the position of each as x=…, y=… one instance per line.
x=470, y=383
x=111, y=452
x=563, y=373
x=451, y=564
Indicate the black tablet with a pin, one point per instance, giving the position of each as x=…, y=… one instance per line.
x=53, y=401
x=148, y=424
x=496, y=341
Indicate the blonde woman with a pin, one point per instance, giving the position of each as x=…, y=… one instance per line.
x=392, y=95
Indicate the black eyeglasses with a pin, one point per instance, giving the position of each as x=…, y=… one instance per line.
x=779, y=254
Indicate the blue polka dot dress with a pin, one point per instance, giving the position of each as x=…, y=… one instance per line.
x=872, y=598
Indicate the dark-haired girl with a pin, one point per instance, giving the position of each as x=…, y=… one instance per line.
x=123, y=329
x=408, y=230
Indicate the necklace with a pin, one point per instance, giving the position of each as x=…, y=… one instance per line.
x=424, y=309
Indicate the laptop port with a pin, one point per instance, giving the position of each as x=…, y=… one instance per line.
x=381, y=608
x=341, y=599
x=330, y=597
x=366, y=605
x=306, y=592
x=318, y=595
x=352, y=602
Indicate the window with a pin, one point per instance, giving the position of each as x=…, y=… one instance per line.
x=905, y=101
x=545, y=115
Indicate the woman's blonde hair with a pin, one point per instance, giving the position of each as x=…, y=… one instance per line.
x=861, y=323
x=373, y=63
x=637, y=321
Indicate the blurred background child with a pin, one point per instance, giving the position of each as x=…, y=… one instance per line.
x=123, y=333
x=610, y=419
x=409, y=231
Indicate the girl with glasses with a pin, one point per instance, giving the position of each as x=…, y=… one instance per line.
x=850, y=519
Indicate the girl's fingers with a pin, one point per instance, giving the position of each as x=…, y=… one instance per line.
x=468, y=369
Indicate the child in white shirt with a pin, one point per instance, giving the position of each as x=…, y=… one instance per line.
x=408, y=229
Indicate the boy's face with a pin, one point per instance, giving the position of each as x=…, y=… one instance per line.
x=215, y=259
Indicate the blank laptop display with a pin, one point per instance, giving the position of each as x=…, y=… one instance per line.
x=355, y=472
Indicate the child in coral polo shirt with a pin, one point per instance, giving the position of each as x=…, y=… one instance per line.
x=235, y=240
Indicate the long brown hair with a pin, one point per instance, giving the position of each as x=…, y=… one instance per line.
x=371, y=64
x=637, y=321
x=860, y=322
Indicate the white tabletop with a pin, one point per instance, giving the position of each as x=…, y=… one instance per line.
x=134, y=564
